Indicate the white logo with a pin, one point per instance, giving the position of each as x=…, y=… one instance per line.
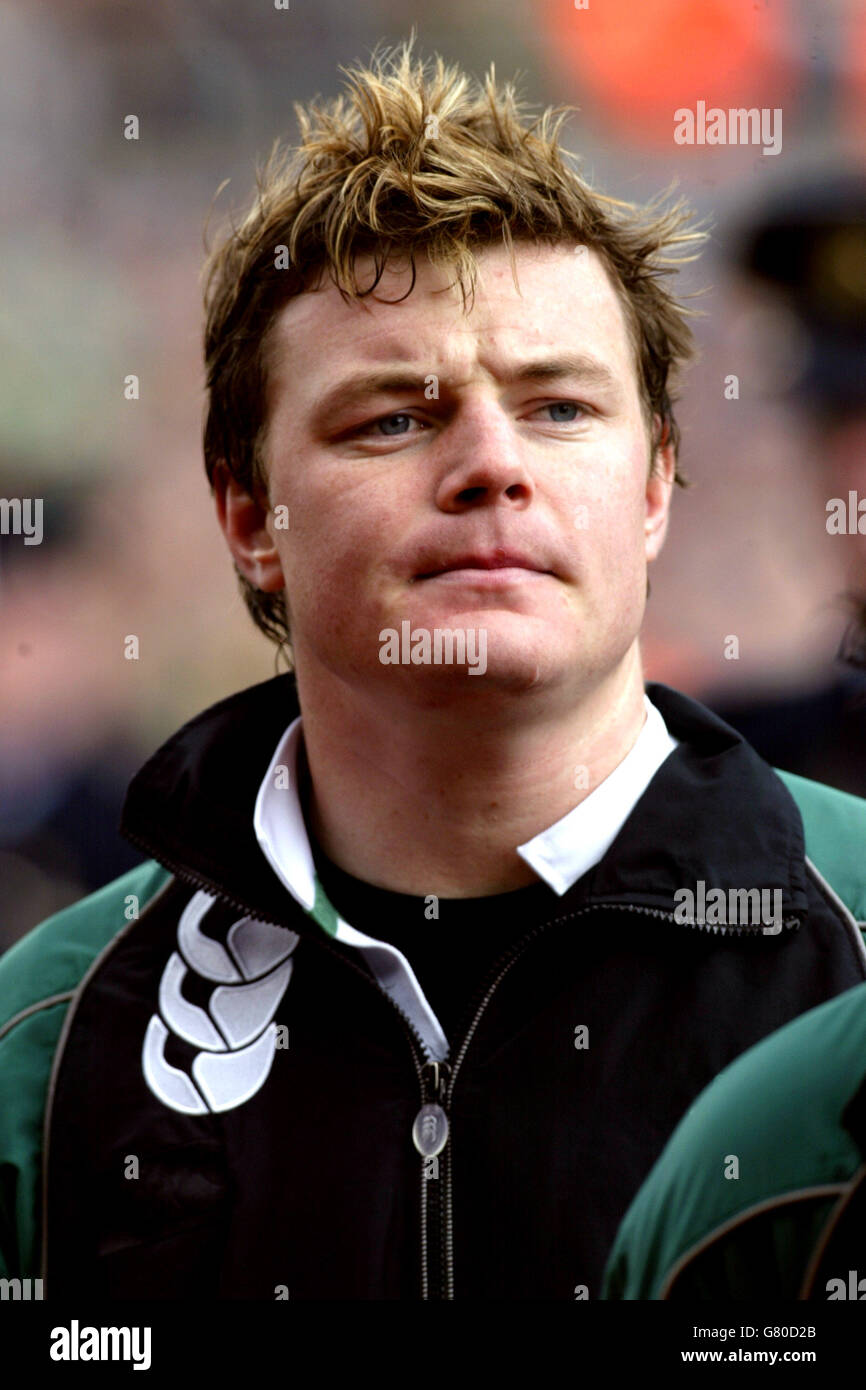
x=235, y=1033
x=75, y=1343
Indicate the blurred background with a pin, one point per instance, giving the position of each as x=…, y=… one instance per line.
x=101, y=253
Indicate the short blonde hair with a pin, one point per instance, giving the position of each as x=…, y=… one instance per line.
x=417, y=157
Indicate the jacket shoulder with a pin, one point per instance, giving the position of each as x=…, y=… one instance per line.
x=797, y=1080
x=51, y=959
x=38, y=978
x=835, y=827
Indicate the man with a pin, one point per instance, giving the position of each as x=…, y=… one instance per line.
x=407, y=998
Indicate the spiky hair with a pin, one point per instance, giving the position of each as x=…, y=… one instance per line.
x=417, y=157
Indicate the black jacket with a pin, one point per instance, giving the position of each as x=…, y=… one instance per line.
x=313, y=1188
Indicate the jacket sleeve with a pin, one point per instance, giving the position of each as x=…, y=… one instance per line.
x=704, y=1227
x=834, y=823
x=39, y=977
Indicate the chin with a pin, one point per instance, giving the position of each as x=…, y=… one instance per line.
x=517, y=672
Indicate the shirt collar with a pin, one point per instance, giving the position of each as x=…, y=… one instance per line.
x=560, y=855
x=567, y=849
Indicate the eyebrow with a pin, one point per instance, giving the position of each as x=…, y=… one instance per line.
x=587, y=369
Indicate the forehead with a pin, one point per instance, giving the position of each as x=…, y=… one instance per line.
x=564, y=301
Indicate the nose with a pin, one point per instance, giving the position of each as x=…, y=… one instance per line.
x=484, y=461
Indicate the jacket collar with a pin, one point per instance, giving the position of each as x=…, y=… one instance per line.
x=714, y=812
x=560, y=854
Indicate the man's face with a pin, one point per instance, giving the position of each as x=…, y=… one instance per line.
x=414, y=444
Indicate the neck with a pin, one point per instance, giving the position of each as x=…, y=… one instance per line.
x=427, y=801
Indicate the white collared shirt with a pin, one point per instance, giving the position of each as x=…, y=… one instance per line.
x=560, y=855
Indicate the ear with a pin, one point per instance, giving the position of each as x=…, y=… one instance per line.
x=659, y=490
x=244, y=522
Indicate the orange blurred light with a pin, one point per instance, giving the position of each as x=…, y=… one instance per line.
x=637, y=61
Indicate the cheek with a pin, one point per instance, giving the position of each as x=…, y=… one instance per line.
x=334, y=538
x=628, y=488
x=609, y=514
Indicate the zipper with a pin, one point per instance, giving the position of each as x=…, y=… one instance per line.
x=430, y=1134
x=431, y=1131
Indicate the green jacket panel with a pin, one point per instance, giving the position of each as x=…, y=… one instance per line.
x=38, y=977
x=762, y=1258
x=776, y=1111
x=835, y=827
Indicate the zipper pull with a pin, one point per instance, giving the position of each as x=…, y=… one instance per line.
x=430, y=1130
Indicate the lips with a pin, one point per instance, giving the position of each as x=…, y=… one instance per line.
x=498, y=559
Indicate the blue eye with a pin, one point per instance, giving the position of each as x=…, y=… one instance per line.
x=559, y=406
x=389, y=420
